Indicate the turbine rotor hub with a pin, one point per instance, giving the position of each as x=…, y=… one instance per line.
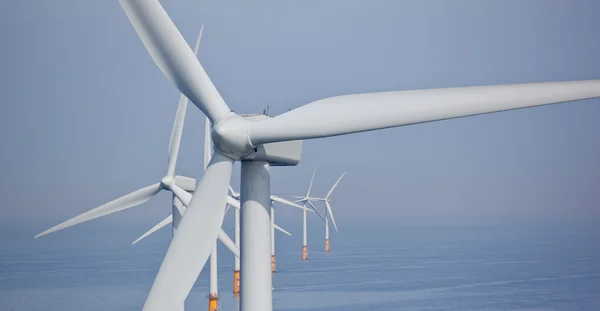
x=167, y=181
x=230, y=137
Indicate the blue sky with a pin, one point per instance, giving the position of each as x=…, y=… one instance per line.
x=87, y=115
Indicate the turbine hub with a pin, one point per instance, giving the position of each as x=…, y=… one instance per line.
x=167, y=181
x=231, y=138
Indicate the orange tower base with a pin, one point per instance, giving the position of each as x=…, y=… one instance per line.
x=213, y=302
x=236, y=282
x=327, y=245
x=304, y=253
x=273, y=264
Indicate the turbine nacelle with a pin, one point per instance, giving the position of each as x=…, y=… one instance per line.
x=231, y=138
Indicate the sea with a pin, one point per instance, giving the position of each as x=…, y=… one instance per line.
x=368, y=268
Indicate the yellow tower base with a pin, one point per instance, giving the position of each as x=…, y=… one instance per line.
x=304, y=253
x=327, y=245
x=213, y=302
x=273, y=264
x=236, y=282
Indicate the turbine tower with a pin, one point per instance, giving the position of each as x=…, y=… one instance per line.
x=274, y=227
x=259, y=142
x=213, y=289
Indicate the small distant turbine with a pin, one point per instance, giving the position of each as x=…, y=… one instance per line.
x=307, y=200
x=329, y=211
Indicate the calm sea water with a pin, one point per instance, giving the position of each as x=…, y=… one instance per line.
x=425, y=268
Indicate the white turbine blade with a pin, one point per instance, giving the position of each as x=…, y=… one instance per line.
x=281, y=229
x=158, y=226
x=331, y=215
x=288, y=203
x=365, y=112
x=311, y=182
x=173, y=56
x=226, y=240
x=315, y=209
x=196, y=236
x=177, y=130
x=207, y=142
x=183, y=196
x=176, y=134
x=197, y=45
x=334, y=185
x=223, y=237
x=127, y=201
x=233, y=193
x=233, y=202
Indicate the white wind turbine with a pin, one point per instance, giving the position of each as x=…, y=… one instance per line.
x=307, y=200
x=328, y=210
x=259, y=142
x=213, y=285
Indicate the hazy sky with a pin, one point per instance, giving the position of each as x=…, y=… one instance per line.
x=86, y=115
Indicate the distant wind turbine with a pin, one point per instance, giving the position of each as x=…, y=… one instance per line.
x=307, y=200
x=329, y=211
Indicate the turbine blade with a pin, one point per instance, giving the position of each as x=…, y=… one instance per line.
x=183, y=196
x=334, y=185
x=177, y=130
x=173, y=56
x=234, y=194
x=281, y=229
x=158, y=226
x=311, y=182
x=233, y=202
x=288, y=203
x=365, y=112
x=196, y=236
x=226, y=240
x=315, y=209
x=127, y=201
x=223, y=237
x=197, y=45
x=331, y=215
x=207, y=142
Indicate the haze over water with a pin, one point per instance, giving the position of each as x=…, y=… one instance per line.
x=388, y=268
